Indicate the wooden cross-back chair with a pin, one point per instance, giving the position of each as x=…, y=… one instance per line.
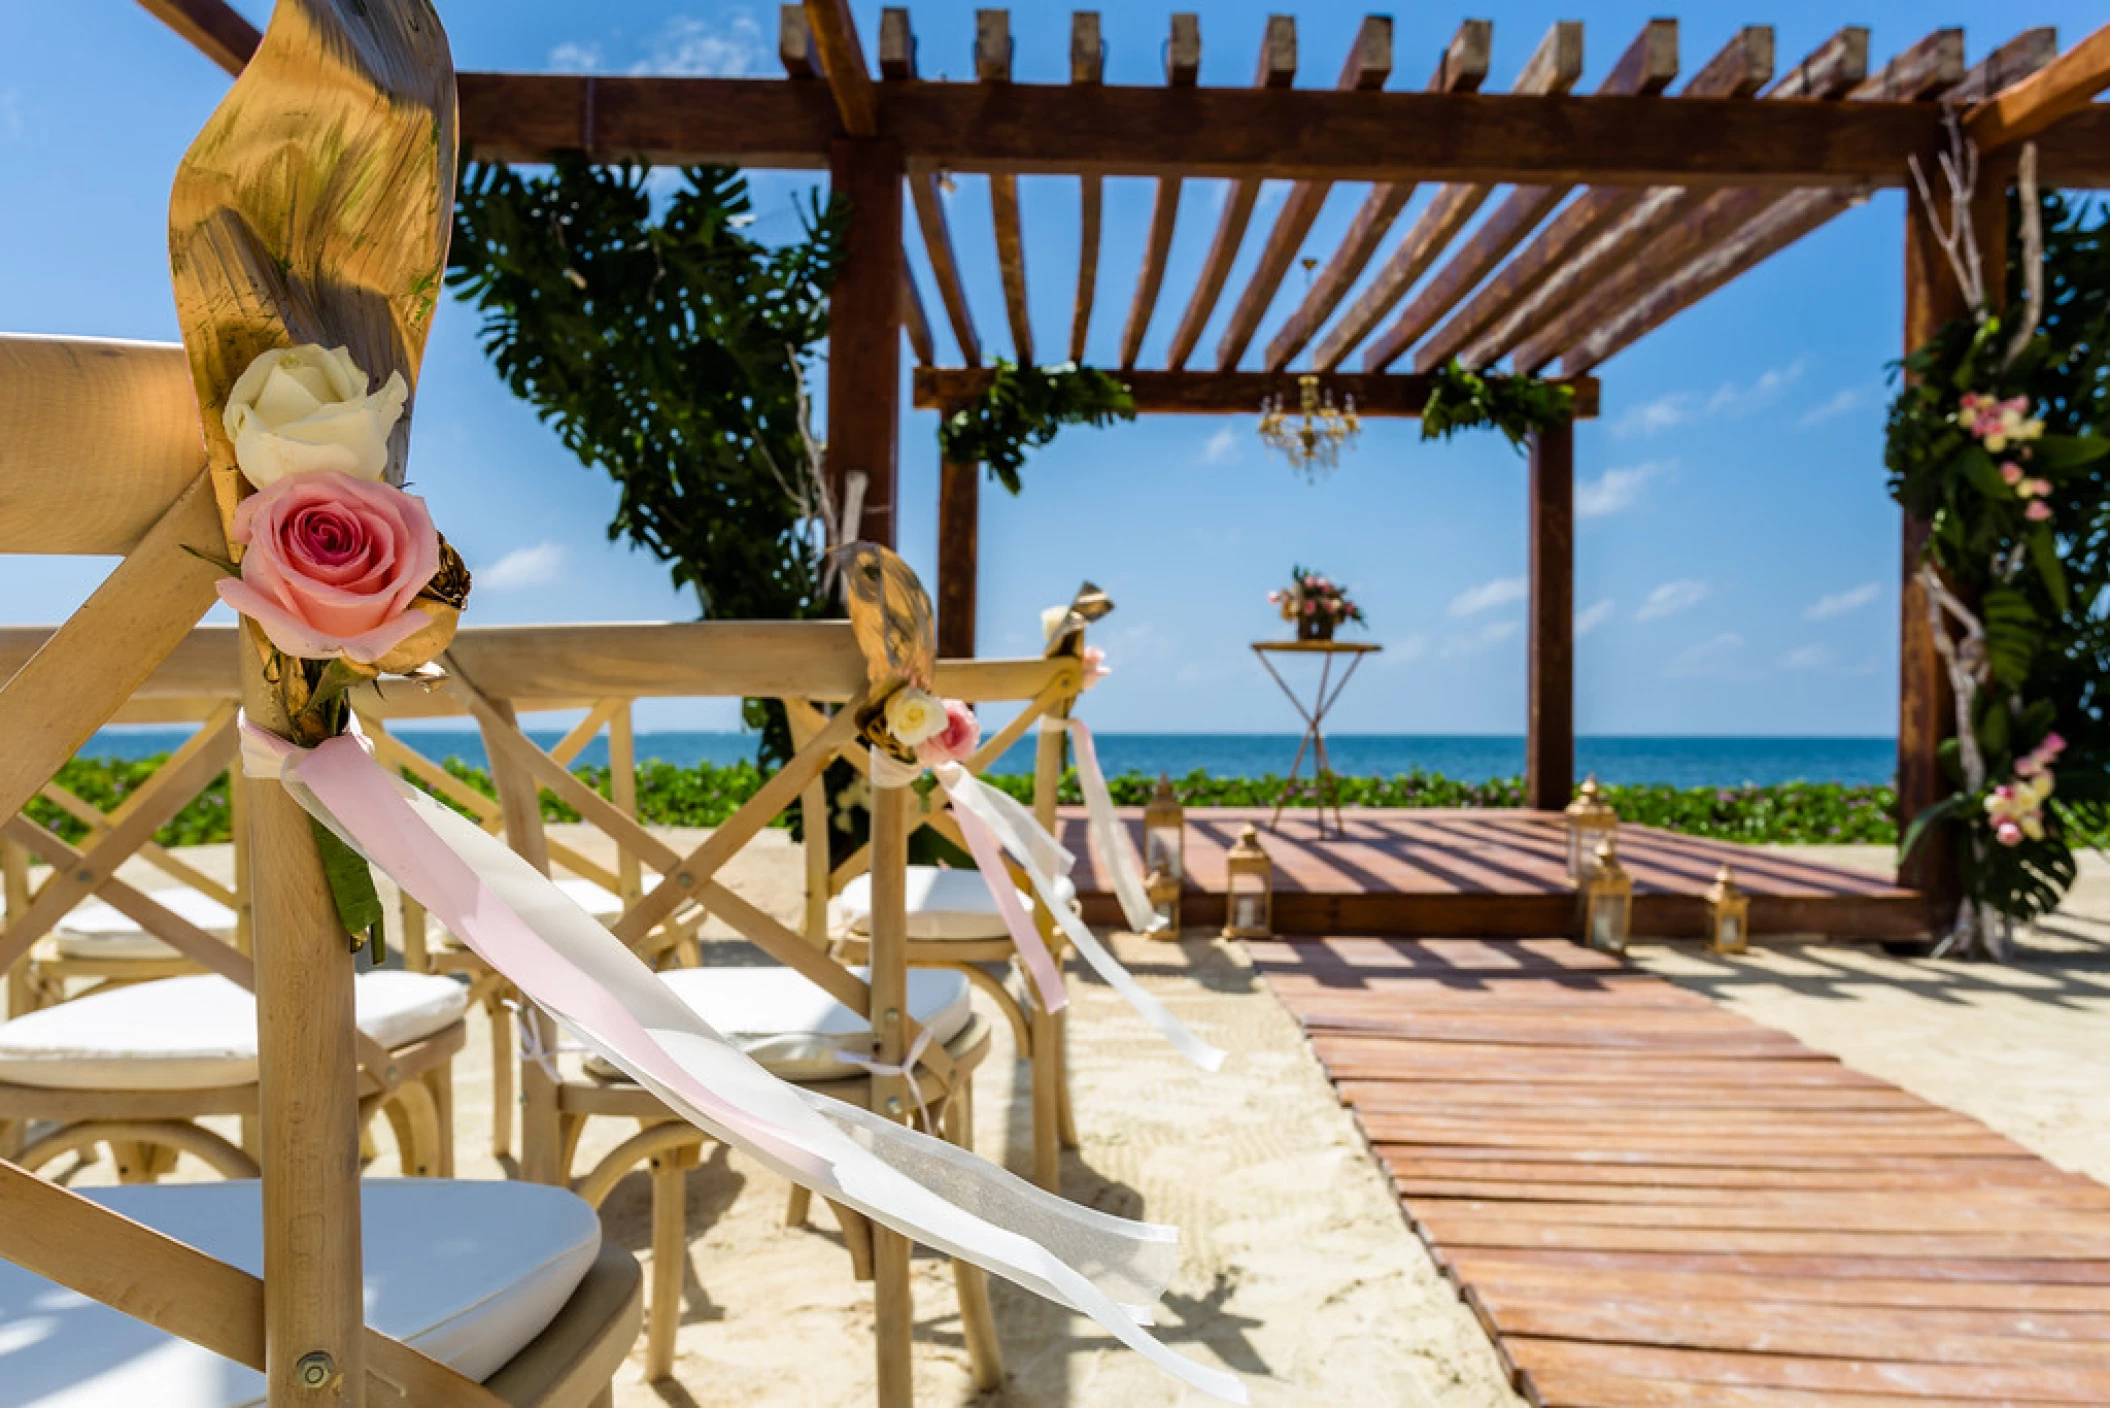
x=794, y=1017
x=98, y=945
x=952, y=922
x=104, y=456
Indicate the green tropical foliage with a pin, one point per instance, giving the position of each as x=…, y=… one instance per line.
x=1518, y=406
x=1023, y=409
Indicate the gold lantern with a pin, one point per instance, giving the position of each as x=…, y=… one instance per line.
x=1164, y=892
x=1608, y=911
x=1728, y=914
x=1249, y=900
x=1165, y=832
x=1590, y=820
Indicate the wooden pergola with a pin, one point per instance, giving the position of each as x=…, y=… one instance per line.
x=1623, y=208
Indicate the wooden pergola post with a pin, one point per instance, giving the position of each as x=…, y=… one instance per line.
x=1926, y=705
x=959, y=553
x=1549, y=742
x=864, y=332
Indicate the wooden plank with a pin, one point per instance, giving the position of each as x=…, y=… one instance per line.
x=1647, y=67
x=1849, y=1272
x=2061, y=1384
x=1224, y=393
x=1565, y=1387
x=1368, y=65
x=1731, y=231
x=1408, y=1163
x=212, y=26
x=1468, y=1147
x=1553, y=69
x=1462, y=69
x=843, y=61
x=1502, y=1231
x=1297, y=135
x=1549, y=744
x=914, y=321
x=959, y=555
x=992, y=65
x=1741, y=68
x=2062, y=87
x=1183, y=56
x=944, y=263
x=1277, y=69
x=1826, y=1213
x=1494, y=1268
x=864, y=309
x=1087, y=66
x=2034, y=1200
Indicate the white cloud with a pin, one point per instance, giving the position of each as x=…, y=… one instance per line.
x=1591, y=617
x=1617, y=489
x=574, y=57
x=1843, y=402
x=1491, y=634
x=522, y=568
x=1808, y=657
x=1500, y=592
x=1729, y=399
x=1839, y=603
x=1673, y=597
x=1721, y=657
x=695, y=48
x=1221, y=446
x=1406, y=652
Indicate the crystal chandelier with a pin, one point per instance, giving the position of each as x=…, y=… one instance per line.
x=1311, y=435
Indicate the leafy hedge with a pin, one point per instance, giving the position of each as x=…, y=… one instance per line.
x=705, y=795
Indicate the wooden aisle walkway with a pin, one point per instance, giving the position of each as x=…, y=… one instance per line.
x=1650, y=1200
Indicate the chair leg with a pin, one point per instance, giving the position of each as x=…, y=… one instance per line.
x=1066, y=1111
x=440, y=1081
x=502, y=1095
x=985, y=1352
x=670, y=1218
x=414, y=1117
x=894, y=1318
x=799, y=1206
x=857, y=1238
x=1046, y=1074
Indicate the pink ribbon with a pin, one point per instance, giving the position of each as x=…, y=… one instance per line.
x=988, y=858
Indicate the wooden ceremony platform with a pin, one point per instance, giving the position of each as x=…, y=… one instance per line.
x=1499, y=874
x=1649, y=1200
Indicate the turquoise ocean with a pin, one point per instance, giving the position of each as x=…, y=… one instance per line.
x=1676, y=761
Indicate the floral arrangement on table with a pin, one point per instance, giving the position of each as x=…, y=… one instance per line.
x=1315, y=603
x=2010, y=571
x=343, y=573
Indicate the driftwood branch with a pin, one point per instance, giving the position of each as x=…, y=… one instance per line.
x=2032, y=255
x=1955, y=234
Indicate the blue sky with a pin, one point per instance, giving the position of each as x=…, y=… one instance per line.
x=1736, y=558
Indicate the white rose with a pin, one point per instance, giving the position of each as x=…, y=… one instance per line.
x=1051, y=621
x=303, y=410
x=913, y=716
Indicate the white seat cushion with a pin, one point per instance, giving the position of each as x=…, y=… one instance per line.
x=595, y=898
x=195, y=1033
x=942, y=904
x=467, y=1273
x=96, y=930
x=793, y=1028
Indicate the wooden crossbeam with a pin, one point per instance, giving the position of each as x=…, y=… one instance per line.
x=2064, y=86
x=1214, y=393
x=1368, y=66
x=992, y=65
x=1741, y=68
x=1278, y=69
x=1087, y=66
x=213, y=28
x=915, y=321
x=1462, y=69
x=1647, y=67
x=1553, y=69
x=1296, y=135
x=1549, y=274
x=1745, y=231
x=897, y=63
x=1183, y=57
x=842, y=59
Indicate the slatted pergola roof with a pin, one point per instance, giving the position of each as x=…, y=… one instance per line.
x=1608, y=213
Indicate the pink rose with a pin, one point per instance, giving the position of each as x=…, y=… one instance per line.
x=2037, y=511
x=2008, y=834
x=954, y=743
x=2011, y=472
x=1094, y=665
x=1310, y=607
x=2052, y=746
x=332, y=564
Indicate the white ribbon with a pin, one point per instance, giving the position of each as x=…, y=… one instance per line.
x=1043, y=858
x=566, y=962
x=872, y=1065
x=1116, y=852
